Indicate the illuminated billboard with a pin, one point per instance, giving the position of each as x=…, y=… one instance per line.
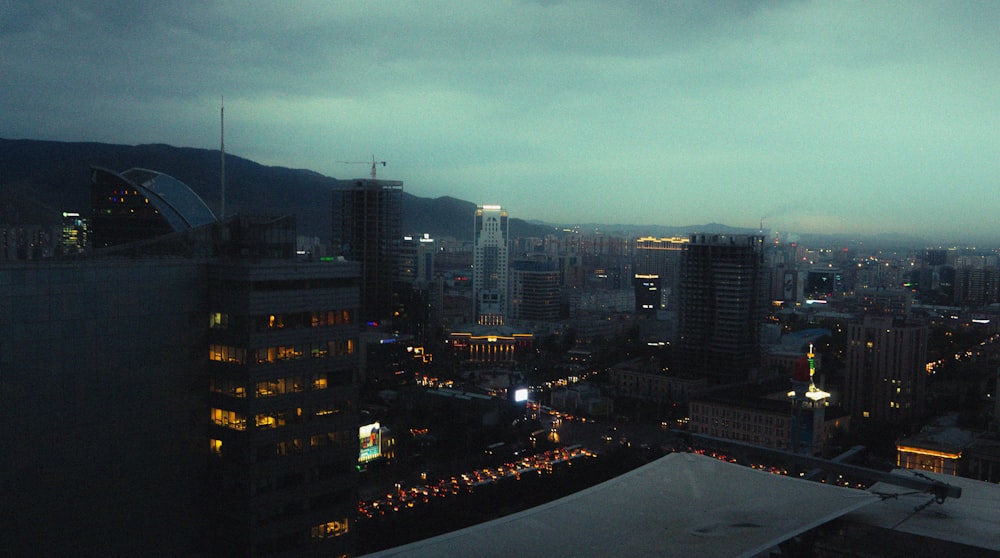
x=520, y=395
x=371, y=442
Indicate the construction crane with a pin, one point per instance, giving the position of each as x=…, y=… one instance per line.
x=373, y=163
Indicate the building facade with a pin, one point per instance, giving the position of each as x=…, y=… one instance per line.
x=758, y=415
x=491, y=344
x=490, y=270
x=648, y=289
x=102, y=375
x=416, y=259
x=661, y=257
x=283, y=390
x=367, y=228
x=722, y=302
x=74, y=233
x=886, y=369
x=534, y=290
x=189, y=402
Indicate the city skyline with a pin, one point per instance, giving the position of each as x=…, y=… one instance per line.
x=867, y=118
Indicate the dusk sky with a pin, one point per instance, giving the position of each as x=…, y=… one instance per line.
x=816, y=116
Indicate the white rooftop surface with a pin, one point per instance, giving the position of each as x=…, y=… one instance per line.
x=973, y=519
x=683, y=504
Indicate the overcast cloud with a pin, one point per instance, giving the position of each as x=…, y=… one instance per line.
x=818, y=116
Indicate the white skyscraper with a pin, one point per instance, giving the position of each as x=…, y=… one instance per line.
x=489, y=265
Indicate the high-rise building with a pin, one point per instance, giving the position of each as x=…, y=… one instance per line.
x=283, y=385
x=647, y=294
x=490, y=265
x=534, y=290
x=171, y=397
x=977, y=286
x=416, y=259
x=661, y=257
x=886, y=369
x=74, y=232
x=367, y=228
x=722, y=302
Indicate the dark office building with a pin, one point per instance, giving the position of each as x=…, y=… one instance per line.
x=722, y=303
x=140, y=204
x=189, y=395
x=886, y=369
x=661, y=257
x=647, y=294
x=367, y=228
x=534, y=290
x=283, y=386
x=936, y=256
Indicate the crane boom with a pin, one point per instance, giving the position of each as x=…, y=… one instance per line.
x=373, y=163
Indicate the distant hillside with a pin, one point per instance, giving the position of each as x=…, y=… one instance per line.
x=41, y=179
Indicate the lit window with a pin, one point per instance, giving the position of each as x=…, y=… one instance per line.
x=229, y=419
x=269, y=421
x=330, y=529
x=274, y=354
x=319, y=381
x=218, y=320
x=269, y=388
x=223, y=353
x=215, y=446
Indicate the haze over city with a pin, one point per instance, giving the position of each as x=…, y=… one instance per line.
x=422, y=279
x=817, y=117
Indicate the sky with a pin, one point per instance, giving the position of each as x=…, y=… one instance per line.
x=824, y=117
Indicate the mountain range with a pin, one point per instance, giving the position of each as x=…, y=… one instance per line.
x=41, y=179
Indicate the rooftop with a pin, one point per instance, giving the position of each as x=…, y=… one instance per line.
x=683, y=504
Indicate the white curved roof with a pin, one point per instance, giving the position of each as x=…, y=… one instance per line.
x=683, y=504
x=176, y=201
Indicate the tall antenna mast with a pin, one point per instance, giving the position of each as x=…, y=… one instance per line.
x=222, y=150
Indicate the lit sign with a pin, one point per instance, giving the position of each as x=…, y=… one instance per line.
x=370, y=436
x=929, y=452
x=520, y=395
